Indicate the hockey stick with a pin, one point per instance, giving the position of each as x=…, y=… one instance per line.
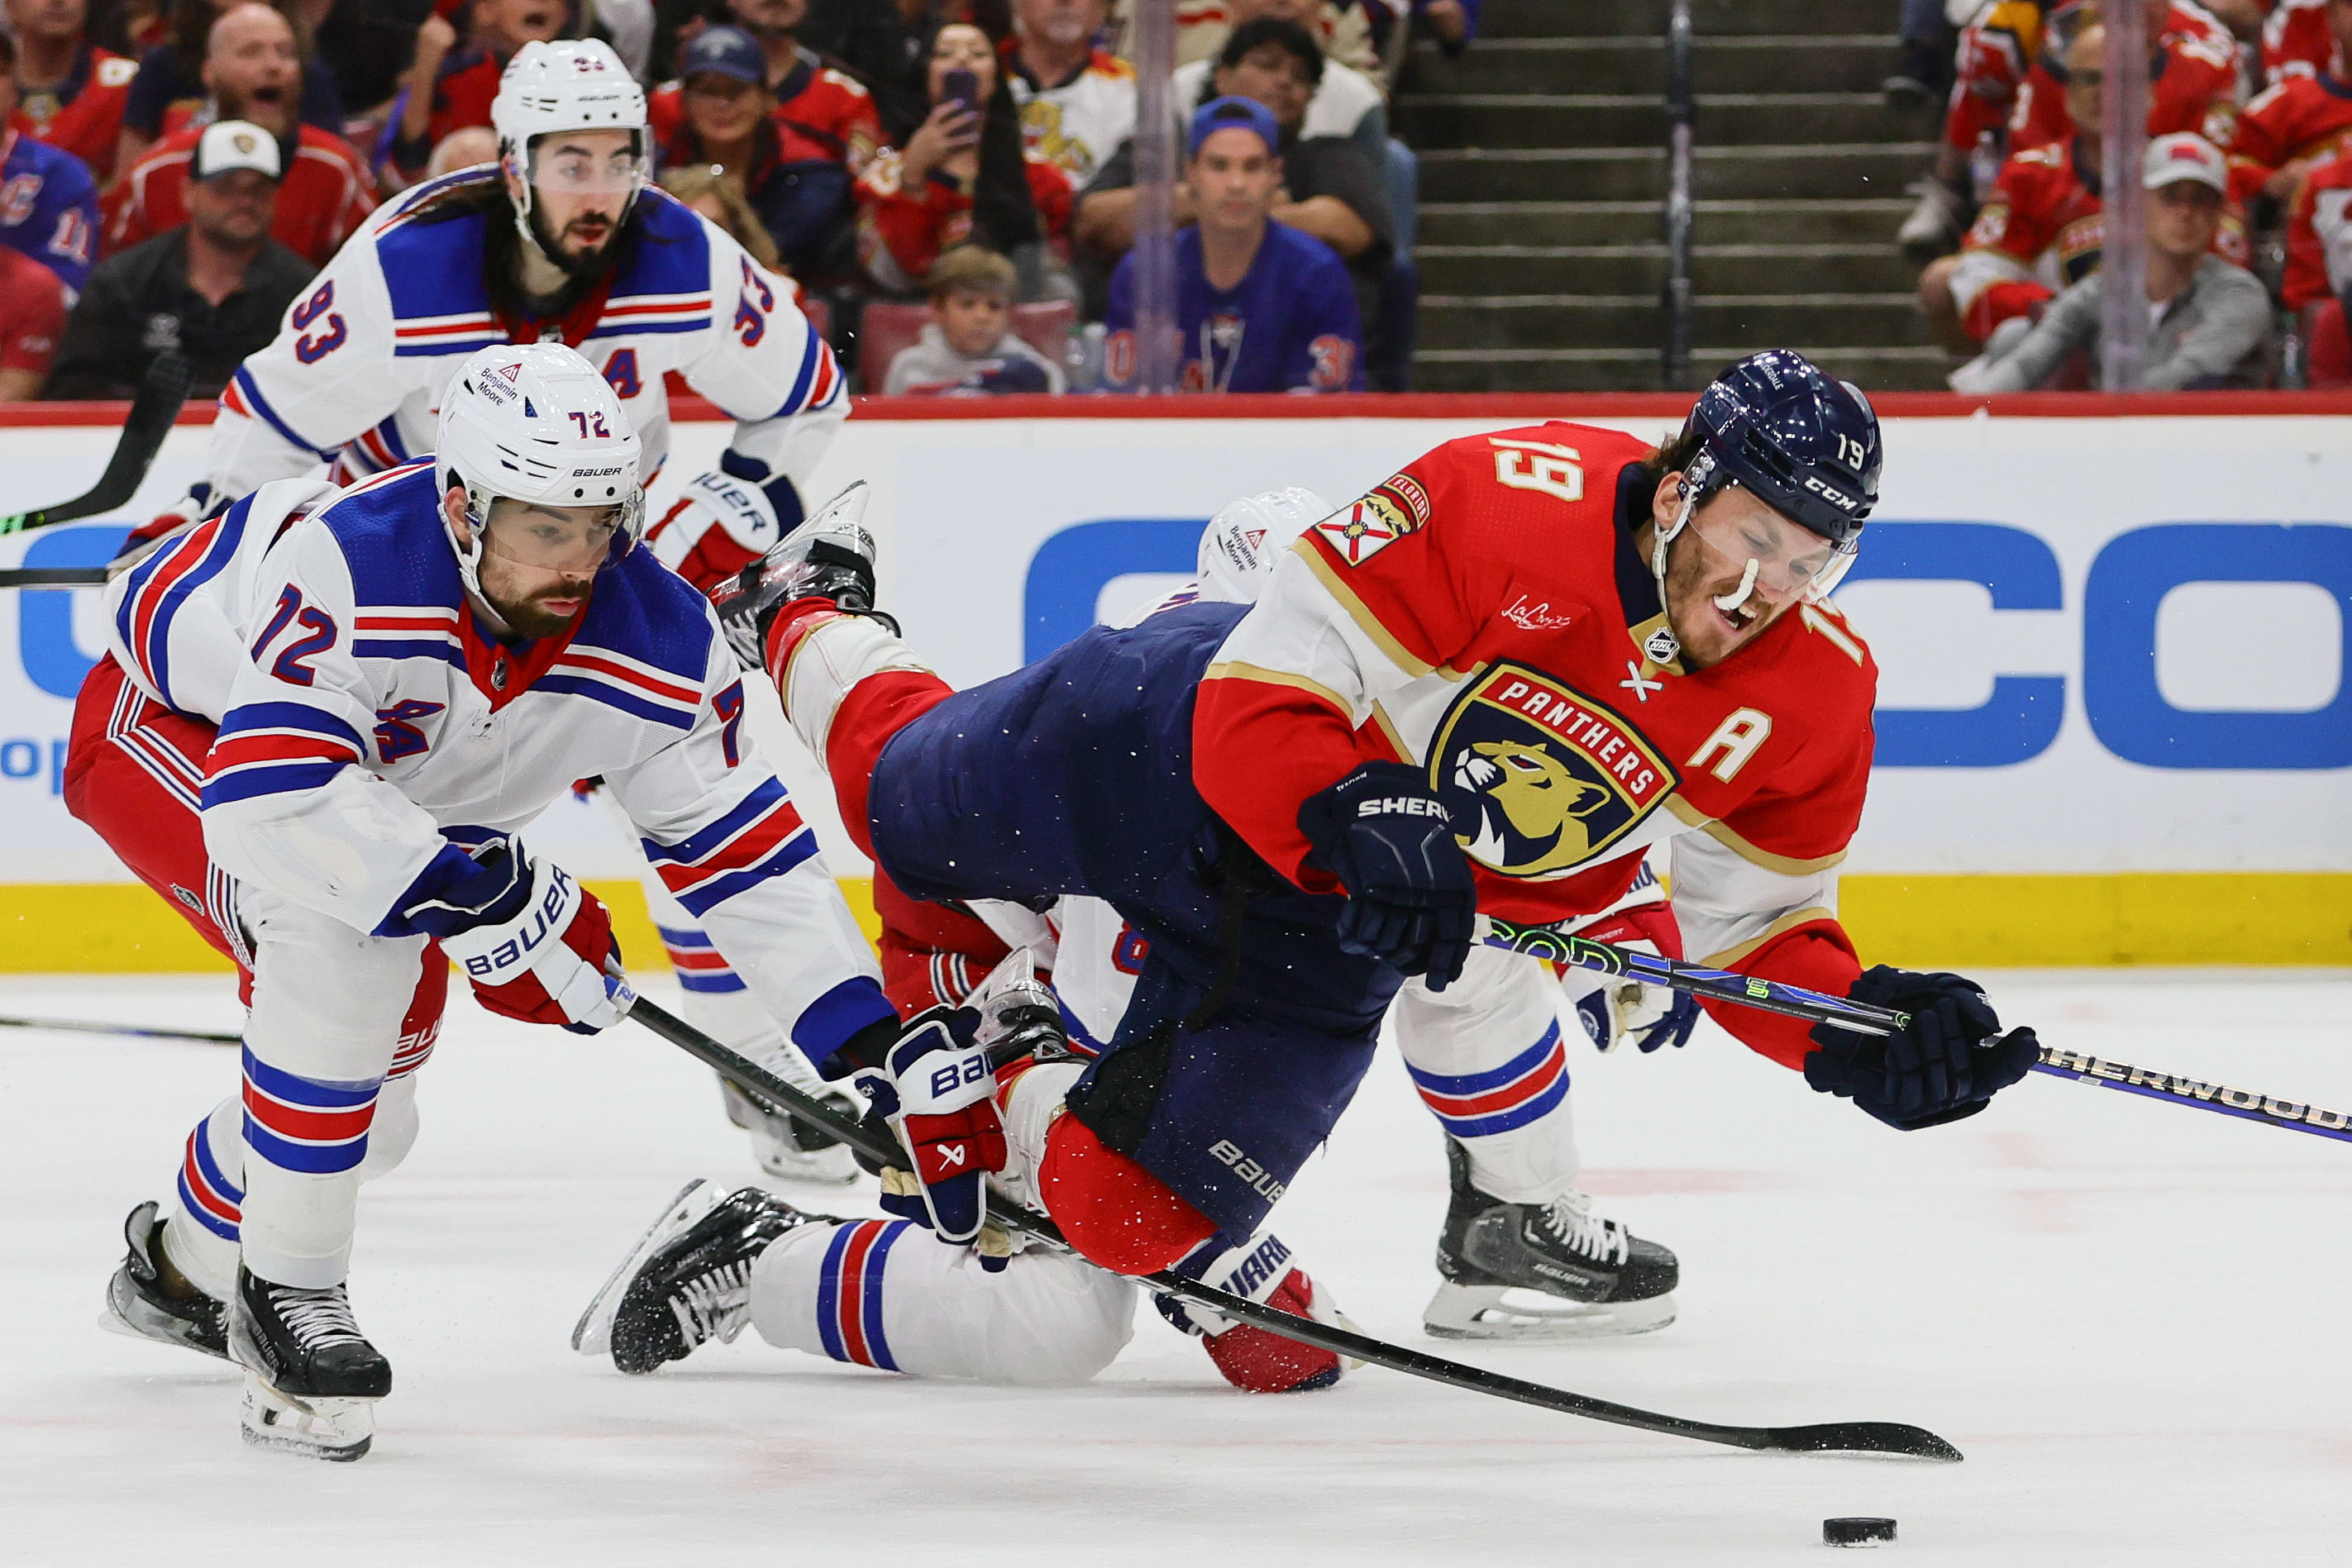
x=53, y=577
x=1838, y=1437
x=152, y=414
x=2081, y=1067
x=1715, y=984
x=85, y=1025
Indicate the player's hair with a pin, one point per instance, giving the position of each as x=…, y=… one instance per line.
x=1674, y=454
x=484, y=194
x=7, y=49
x=973, y=268
x=1259, y=31
x=694, y=182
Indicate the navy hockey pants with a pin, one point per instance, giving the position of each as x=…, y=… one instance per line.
x=1250, y=1028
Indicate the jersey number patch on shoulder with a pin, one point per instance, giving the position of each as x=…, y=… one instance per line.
x=750, y=317
x=312, y=346
x=289, y=665
x=1539, y=466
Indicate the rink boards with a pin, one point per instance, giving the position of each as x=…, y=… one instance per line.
x=2113, y=725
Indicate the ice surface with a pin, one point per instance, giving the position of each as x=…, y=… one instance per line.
x=2129, y=1315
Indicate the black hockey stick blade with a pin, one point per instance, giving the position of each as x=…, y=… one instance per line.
x=53, y=577
x=1847, y=1436
x=152, y=416
x=88, y=1026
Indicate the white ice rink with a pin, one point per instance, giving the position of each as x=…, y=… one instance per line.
x=2131, y=1317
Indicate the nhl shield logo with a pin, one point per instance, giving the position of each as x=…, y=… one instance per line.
x=1540, y=779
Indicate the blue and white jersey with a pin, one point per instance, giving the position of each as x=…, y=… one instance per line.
x=358, y=366
x=367, y=720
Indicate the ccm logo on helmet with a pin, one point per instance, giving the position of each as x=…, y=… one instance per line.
x=1837, y=499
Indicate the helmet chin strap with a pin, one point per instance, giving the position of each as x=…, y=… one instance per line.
x=1662, y=540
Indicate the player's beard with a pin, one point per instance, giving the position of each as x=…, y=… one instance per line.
x=1694, y=580
x=531, y=619
x=581, y=266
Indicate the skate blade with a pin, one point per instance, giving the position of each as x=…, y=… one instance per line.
x=337, y=1430
x=125, y=1314
x=592, y=1334
x=1498, y=1313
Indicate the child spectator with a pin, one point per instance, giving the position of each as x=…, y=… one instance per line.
x=968, y=348
x=716, y=196
x=51, y=213
x=962, y=177
x=797, y=175
x=70, y=92
x=1077, y=103
x=326, y=189
x=32, y=320
x=170, y=90
x=2209, y=322
x=1261, y=307
x=448, y=87
x=213, y=287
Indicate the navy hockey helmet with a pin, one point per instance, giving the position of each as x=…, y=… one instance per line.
x=1804, y=445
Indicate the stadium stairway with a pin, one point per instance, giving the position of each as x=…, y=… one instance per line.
x=1542, y=249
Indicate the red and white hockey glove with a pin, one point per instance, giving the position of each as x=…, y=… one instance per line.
x=936, y=1090
x=721, y=525
x=534, y=943
x=1249, y=1357
x=1653, y=1017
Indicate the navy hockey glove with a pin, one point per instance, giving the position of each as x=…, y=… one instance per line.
x=1411, y=901
x=1949, y=1062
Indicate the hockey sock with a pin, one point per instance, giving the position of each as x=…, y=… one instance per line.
x=1110, y=1208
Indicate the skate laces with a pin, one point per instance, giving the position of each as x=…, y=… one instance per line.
x=1569, y=1218
x=714, y=1304
x=316, y=1318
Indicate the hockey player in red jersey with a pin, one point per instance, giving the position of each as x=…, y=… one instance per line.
x=1485, y=689
x=2298, y=40
x=324, y=718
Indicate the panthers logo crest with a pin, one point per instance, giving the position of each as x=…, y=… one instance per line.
x=1537, y=778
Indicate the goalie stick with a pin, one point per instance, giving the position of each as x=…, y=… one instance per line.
x=1836, y=1437
x=152, y=414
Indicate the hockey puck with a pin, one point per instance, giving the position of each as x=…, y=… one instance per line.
x=1858, y=1531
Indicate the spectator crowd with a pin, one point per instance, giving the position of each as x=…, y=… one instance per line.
x=950, y=182
x=2249, y=243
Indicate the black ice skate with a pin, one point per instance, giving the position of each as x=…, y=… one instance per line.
x=314, y=1376
x=1570, y=1275
x=687, y=1281
x=150, y=1299
x=829, y=556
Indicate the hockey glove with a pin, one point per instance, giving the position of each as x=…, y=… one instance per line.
x=937, y=1092
x=534, y=944
x=1947, y=1063
x=1617, y=1008
x=723, y=523
x=1251, y=1357
x=1411, y=901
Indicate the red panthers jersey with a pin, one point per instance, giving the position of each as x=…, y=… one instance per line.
x=2319, y=236
x=2302, y=117
x=822, y=115
x=2298, y=42
x=2192, y=86
x=84, y=115
x=1484, y=616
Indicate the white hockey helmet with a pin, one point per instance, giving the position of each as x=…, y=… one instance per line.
x=573, y=84
x=1243, y=541
x=536, y=423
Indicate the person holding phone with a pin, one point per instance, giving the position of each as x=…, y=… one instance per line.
x=962, y=176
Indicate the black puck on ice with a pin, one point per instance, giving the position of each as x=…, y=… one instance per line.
x=1858, y=1531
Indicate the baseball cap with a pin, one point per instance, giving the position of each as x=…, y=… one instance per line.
x=1234, y=114
x=2184, y=155
x=729, y=51
x=229, y=144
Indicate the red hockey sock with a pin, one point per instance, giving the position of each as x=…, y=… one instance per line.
x=1112, y=1210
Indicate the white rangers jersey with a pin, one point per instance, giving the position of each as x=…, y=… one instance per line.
x=358, y=366
x=366, y=722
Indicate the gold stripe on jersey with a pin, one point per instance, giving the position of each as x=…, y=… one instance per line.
x=1234, y=670
x=1787, y=922
x=1765, y=858
x=1366, y=622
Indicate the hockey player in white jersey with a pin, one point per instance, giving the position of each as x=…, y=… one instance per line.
x=563, y=239
x=323, y=717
